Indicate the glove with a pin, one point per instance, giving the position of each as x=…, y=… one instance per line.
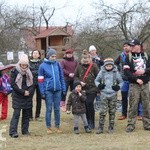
x=68, y=112
x=116, y=87
x=43, y=97
x=101, y=86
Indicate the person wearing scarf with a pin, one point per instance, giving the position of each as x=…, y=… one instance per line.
x=22, y=85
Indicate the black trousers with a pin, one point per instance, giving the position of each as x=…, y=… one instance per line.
x=24, y=122
x=69, y=84
x=90, y=112
x=124, y=102
x=38, y=103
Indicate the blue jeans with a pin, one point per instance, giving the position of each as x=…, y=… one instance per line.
x=52, y=100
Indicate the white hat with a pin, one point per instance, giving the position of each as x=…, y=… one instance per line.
x=91, y=48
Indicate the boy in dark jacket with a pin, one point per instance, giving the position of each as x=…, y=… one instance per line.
x=77, y=101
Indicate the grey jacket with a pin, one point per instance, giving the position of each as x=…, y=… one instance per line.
x=108, y=77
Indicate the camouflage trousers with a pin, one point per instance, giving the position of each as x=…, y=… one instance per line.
x=107, y=104
x=137, y=92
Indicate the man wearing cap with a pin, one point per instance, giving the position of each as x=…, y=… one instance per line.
x=69, y=65
x=137, y=70
x=120, y=61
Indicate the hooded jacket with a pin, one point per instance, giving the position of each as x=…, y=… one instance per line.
x=51, y=77
x=108, y=77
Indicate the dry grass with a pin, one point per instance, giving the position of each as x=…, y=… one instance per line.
x=39, y=140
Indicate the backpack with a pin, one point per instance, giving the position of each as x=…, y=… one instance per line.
x=5, y=86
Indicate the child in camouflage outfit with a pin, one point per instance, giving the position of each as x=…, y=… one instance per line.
x=108, y=81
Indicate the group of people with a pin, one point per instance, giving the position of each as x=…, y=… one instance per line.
x=91, y=78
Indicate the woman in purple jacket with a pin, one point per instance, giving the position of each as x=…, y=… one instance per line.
x=69, y=65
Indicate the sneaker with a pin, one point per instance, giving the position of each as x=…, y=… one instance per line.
x=122, y=117
x=63, y=108
x=27, y=133
x=30, y=119
x=49, y=131
x=99, y=131
x=38, y=119
x=110, y=130
x=139, y=117
x=130, y=129
x=87, y=130
x=62, y=103
x=15, y=135
x=58, y=130
x=76, y=131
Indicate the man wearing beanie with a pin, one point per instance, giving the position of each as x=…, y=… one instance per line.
x=108, y=81
x=51, y=84
x=95, y=58
x=69, y=65
x=77, y=100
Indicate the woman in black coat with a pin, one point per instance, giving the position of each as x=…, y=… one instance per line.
x=22, y=84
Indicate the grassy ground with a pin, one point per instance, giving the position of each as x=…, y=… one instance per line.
x=39, y=140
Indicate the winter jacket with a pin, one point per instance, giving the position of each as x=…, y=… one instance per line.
x=120, y=61
x=68, y=65
x=18, y=99
x=51, y=77
x=97, y=61
x=108, y=78
x=137, y=61
x=90, y=87
x=34, y=65
x=77, y=102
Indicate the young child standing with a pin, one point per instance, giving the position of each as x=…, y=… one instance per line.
x=108, y=81
x=22, y=84
x=77, y=101
x=4, y=79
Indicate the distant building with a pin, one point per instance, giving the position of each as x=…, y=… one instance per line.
x=56, y=37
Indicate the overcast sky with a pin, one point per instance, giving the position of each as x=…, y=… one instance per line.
x=74, y=9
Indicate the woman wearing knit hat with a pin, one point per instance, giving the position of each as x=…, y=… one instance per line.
x=108, y=81
x=51, y=84
x=86, y=73
x=95, y=58
x=22, y=84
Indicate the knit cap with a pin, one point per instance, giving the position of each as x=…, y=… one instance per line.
x=76, y=84
x=108, y=61
x=50, y=52
x=23, y=59
x=91, y=48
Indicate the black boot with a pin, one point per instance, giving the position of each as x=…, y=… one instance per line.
x=111, y=128
x=87, y=130
x=76, y=130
